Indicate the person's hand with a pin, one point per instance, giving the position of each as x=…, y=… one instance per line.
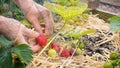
x=13, y=29
x=34, y=13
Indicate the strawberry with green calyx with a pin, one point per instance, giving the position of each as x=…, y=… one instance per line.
x=52, y=53
x=42, y=40
x=65, y=53
x=56, y=46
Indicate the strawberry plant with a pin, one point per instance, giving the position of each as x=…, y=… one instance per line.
x=114, y=61
x=67, y=12
x=9, y=53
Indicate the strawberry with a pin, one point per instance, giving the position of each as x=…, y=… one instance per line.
x=65, y=53
x=42, y=40
x=55, y=46
x=72, y=52
x=52, y=53
x=78, y=51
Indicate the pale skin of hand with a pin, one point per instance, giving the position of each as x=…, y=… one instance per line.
x=35, y=12
x=13, y=29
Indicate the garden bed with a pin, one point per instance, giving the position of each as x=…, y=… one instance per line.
x=95, y=53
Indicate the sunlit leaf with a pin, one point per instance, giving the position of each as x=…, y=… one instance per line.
x=77, y=35
x=114, y=18
x=67, y=12
x=26, y=23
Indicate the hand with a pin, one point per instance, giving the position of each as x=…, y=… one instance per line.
x=13, y=29
x=35, y=12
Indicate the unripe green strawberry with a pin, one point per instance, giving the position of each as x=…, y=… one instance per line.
x=42, y=40
x=78, y=51
x=107, y=65
x=81, y=46
x=52, y=53
x=113, y=56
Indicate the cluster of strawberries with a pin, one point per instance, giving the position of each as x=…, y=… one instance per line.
x=56, y=49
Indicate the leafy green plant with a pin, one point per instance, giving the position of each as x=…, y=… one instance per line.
x=9, y=54
x=77, y=34
x=114, y=61
x=115, y=23
x=9, y=9
x=67, y=12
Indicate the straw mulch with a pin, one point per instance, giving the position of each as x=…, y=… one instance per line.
x=102, y=43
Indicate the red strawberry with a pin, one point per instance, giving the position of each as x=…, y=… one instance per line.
x=65, y=53
x=42, y=40
x=72, y=52
x=55, y=46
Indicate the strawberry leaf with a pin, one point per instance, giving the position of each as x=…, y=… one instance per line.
x=26, y=23
x=5, y=58
x=79, y=34
x=67, y=12
x=119, y=64
x=114, y=18
x=5, y=42
x=23, y=52
x=115, y=23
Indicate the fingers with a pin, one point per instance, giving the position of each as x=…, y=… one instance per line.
x=35, y=48
x=30, y=33
x=46, y=15
x=36, y=25
x=49, y=24
x=32, y=16
x=20, y=39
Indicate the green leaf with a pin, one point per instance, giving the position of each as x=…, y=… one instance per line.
x=26, y=23
x=23, y=52
x=5, y=58
x=4, y=42
x=52, y=0
x=119, y=64
x=67, y=12
x=114, y=18
x=115, y=23
x=19, y=65
x=77, y=35
x=81, y=46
